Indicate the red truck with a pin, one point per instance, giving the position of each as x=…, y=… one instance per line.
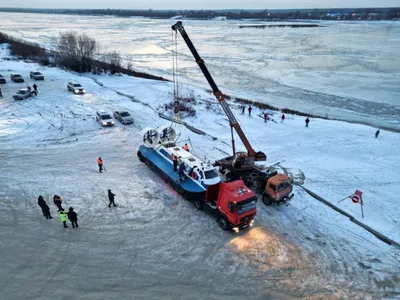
x=233, y=204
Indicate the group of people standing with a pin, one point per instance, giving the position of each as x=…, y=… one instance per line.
x=71, y=214
x=266, y=116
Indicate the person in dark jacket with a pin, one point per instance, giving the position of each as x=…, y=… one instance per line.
x=35, y=90
x=57, y=201
x=175, y=161
x=243, y=108
x=377, y=133
x=46, y=210
x=1, y=95
x=250, y=109
x=41, y=203
x=111, y=198
x=180, y=171
x=307, y=121
x=73, y=217
x=283, y=118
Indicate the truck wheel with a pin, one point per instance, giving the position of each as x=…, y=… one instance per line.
x=198, y=204
x=223, y=223
x=140, y=155
x=266, y=199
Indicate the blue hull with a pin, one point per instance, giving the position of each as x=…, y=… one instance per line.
x=164, y=168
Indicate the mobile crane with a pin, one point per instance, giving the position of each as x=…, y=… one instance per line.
x=273, y=186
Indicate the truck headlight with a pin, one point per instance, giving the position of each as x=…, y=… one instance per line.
x=251, y=223
x=104, y=123
x=235, y=229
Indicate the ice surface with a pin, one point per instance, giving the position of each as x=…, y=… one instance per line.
x=155, y=245
x=344, y=70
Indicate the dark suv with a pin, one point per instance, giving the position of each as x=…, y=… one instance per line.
x=16, y=77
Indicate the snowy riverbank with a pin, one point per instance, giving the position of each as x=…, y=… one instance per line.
x=156, y=245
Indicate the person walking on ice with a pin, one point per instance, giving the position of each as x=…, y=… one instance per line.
x=250, y=109
x=307, y=121
x=46, y=210
x=100, y=163
x=377, y=133
x=35, y=89
x=111, y=198
x=41, y=204
x=283, y=118
x=265, y=118
x=73, y=217
x=63, y=217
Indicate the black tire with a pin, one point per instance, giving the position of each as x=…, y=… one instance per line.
x=223, y=223
x=198, y=204
x=266, y=199
x=140, y=156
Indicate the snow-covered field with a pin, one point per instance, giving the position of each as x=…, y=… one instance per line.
x=155, y=245
x=344, y=70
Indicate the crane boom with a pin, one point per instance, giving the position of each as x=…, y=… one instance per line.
x=258, y=156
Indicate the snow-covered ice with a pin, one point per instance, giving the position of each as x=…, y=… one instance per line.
x=155, y=245
x=344, y=70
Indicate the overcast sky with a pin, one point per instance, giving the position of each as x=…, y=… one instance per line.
x=193, y=4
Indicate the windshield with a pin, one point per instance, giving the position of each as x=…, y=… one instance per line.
x=36, y=73
x=125, y=114
x=17, y=75
x=106, y=117
x=245, y=207
x=211, y=174
x=283, y=186
x=77, y=85
x=22, y=92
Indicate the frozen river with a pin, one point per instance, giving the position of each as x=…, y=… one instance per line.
x=345, y=70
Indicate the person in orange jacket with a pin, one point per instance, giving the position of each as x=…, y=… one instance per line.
x=186, y=147
x=100, y=163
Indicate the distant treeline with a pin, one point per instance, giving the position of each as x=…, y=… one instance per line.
x=390, y=13
x=73, y=51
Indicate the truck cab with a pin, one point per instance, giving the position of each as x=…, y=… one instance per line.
x=277, y=189
x=234, y=203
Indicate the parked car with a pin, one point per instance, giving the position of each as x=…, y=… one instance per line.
x=16, y=77
x=123, y=116
x=104, y=118
x=75, y=87
x=37, y=75
x=2, y=79
x=22, y=94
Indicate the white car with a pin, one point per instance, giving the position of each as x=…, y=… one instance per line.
x=75, y=87
x=36, y=75
x=123, y=116
x=22, y=94
x=104, y=118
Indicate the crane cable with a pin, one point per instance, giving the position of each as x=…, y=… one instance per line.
x=175, y=71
